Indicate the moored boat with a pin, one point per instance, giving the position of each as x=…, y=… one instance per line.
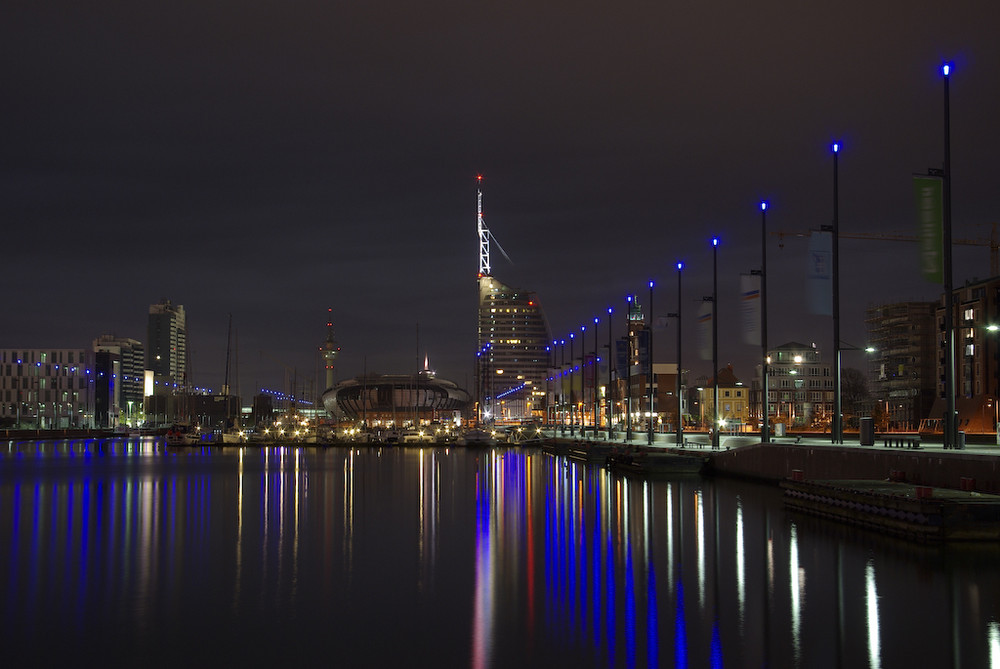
x=181, y=434
x=476, y=437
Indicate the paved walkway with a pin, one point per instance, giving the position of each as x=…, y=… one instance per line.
x=701, y=440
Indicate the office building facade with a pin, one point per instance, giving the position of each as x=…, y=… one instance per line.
x=119, y=365
x=46, y=388
x=166, y=347
x=512, y=357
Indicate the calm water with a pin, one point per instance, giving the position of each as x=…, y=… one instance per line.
x=127, y=553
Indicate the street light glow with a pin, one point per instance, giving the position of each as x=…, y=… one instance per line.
x=680, y=265
x=836, y=147
x=650, y=283
x=763, y=205
x=946, y=69
x=715, y=241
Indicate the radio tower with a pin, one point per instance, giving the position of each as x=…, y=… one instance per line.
x=329, y=349
x=484, y=233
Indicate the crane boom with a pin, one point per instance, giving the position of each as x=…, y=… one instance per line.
x=992, y=242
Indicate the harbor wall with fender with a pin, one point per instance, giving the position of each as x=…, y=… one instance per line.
x=944, y=469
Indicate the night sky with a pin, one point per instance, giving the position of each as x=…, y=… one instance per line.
x=271, y=160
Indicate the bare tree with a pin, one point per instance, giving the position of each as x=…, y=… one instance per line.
x=854, y=395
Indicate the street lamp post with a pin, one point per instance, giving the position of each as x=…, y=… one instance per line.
x=549, y=395
x=38, y=396
x=628, y=369
x=680, y=415
x=562, y=395
x=715, y=338
x=597, y=404
x=572, y=404
x=649, y=365
x=837, y=433
x=609, y=401
x=950, y=431
x=583, y=380
x=765, y=429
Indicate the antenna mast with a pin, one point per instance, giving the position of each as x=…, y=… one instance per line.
x=484, y=233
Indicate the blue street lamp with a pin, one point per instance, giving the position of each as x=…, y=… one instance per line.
x=548, y=388
x=649, y=365
x=837, y=433
x=572, y=404
x=950, y=422
x=597, y=404
x=765, y=430
x=680, y=415
x=715, y=338
x=628, y=369
x=583, y=376
x=609, y=401
x=562, y=394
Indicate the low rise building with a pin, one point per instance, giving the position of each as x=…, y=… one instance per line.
x=901, y=363
x=800, y=387
x=47, y=388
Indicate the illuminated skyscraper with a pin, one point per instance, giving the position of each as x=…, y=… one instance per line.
x=166, y=342
x=512, y=361
x=118, y=378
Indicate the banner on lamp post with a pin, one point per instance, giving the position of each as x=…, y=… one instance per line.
x=819, y=273
x=930, y=216
x=705, y=329
x=750, y=308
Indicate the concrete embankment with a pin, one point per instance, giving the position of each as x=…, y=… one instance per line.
x=943, y=469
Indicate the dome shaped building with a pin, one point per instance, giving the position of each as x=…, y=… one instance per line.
x=396, y=398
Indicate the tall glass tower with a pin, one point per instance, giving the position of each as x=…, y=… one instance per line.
x=512, y=361
x=166, y=347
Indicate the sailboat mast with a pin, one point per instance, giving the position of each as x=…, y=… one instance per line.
x=229, y=343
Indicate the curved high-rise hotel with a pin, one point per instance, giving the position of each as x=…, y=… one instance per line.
x=512, y=361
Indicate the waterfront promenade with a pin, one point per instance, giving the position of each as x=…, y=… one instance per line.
x=975, y=467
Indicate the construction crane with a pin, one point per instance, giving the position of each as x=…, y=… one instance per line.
x=992, y=242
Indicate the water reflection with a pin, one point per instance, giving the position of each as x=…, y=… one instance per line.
x=871, y=604
x=483, y=558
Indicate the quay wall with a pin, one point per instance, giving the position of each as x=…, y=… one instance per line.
x=774, y=462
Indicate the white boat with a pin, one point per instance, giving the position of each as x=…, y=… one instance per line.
x=126, y=431
x=182, y=435
x=476, y=438
x=233, y=436
x=415, y=436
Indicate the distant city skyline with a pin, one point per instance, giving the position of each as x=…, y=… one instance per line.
x=275, y=162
